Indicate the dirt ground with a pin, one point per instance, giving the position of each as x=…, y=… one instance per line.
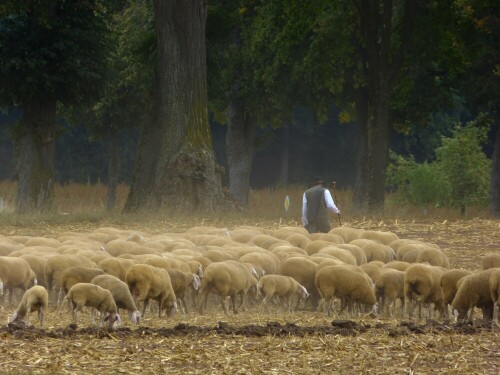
x=275, y=342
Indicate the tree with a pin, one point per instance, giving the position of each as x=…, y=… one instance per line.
x=175, y=166
x=51, y=53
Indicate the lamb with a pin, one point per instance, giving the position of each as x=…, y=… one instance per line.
x=389, y=287
x=227, y=278
x=474, y=291
x=304, y=272
x=449, y=283
x=16, y=273
x=121, y=294
x=34, y=299
x=284, y=287
x=147, y=282
x=423, y=285
x=180, y=283
x=75, y=275
x=491, y=260
x=346, y=283
x=495, y=292
x=86, y=294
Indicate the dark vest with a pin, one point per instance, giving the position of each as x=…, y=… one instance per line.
x=316, y=205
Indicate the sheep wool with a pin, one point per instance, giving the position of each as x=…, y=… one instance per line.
x=34, y=299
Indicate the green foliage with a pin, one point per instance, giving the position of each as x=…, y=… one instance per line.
x=460, y=176
x=51, y=48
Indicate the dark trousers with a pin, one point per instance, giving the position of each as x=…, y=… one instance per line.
x=318, y=226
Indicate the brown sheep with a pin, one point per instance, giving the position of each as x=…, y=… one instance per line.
x=423, y=285
x=304, y=272
x=491, y=260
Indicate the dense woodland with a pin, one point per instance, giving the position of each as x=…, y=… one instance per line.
x=181, y=99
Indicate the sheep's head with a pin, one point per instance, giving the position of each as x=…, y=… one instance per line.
x=303, y=293
x=135, y=317
x=113, y=318
x=196, y=282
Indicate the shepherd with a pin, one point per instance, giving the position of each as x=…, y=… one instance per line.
x=316, y=202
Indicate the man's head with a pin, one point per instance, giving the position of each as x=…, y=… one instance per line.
x=316, y=180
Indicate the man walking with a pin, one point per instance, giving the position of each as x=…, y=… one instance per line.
x=315, y=205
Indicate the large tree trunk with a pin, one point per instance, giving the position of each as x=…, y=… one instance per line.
x=378, y=152
x=35, y=145
x=495, y=177
x=175, y=166
x=360, y=188
x=239, y=144
x=113, y=168
x=284, y=157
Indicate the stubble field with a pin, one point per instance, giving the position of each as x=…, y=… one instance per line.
x=257, y=342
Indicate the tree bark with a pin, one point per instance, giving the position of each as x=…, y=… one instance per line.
x=175, y=166
x=35, y=145
x=113, y=168
x=495, y=177
x=239, y=144
x=284, y=157
x=359, y=197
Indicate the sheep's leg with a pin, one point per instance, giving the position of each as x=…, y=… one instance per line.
x=233, y=301
x=183, y=303
x=223, y=303
x=40, y=316
x=145, y=306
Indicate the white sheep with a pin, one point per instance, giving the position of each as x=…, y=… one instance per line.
x=91, y=295
x=304, y=272
x=474, y=291
x=34, y=299
x=495, y=292
x=389, y=287
x=346, y=282
x=121, y=294
x=449, y=283
x=284, y=287
x=147, y=282
x=423, y=286
x=491, y=260
x=16, y=273
x=181, y=281
x=228, y=278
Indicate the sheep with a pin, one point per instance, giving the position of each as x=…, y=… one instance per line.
x=116, y=266
x=377, y=251
x=167, y=263
x=299, y=240
x=34, y=299
x=423, y=285
x=6, y=248
x=147, y=282
x=474, y=291
x=341, y=254
x=495, y=292
x=315, y=246
x=304, y=272
x=37, y=264
x=269, y=262
x=325, y=262
x=389, y=286
x=75, y=275
x=283, y=232
x=410, y=251
x=86, y=294
x=449, y=283
x=180, y=282
x=227, y=278
x=358, y=252
x=16, y=273
x=42, y=241
x=434, y=257
x=346, y=283
x=56, y=264
x=372, y=269
x=121, y=294
x=330, y=237
x=266, y=241
x=491, y=260
x=383, y=237
x=397, y=265
x=284, y=287
x=218, y=255
x=347, y=233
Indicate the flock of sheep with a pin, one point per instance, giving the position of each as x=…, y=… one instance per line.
x=367, y=271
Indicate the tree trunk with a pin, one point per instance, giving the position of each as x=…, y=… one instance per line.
x=495, y=177
x=175, y=166
x=35, y=145
x=285, y=157
x=239, y=144
x=378, y=152
x=113, y=168
x=359, y=197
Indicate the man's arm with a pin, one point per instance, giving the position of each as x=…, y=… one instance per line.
x=304, y=210
x=329, y=202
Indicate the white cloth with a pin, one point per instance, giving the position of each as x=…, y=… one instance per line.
x=329, y=204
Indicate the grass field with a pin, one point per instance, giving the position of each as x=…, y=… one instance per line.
x=253, y=342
